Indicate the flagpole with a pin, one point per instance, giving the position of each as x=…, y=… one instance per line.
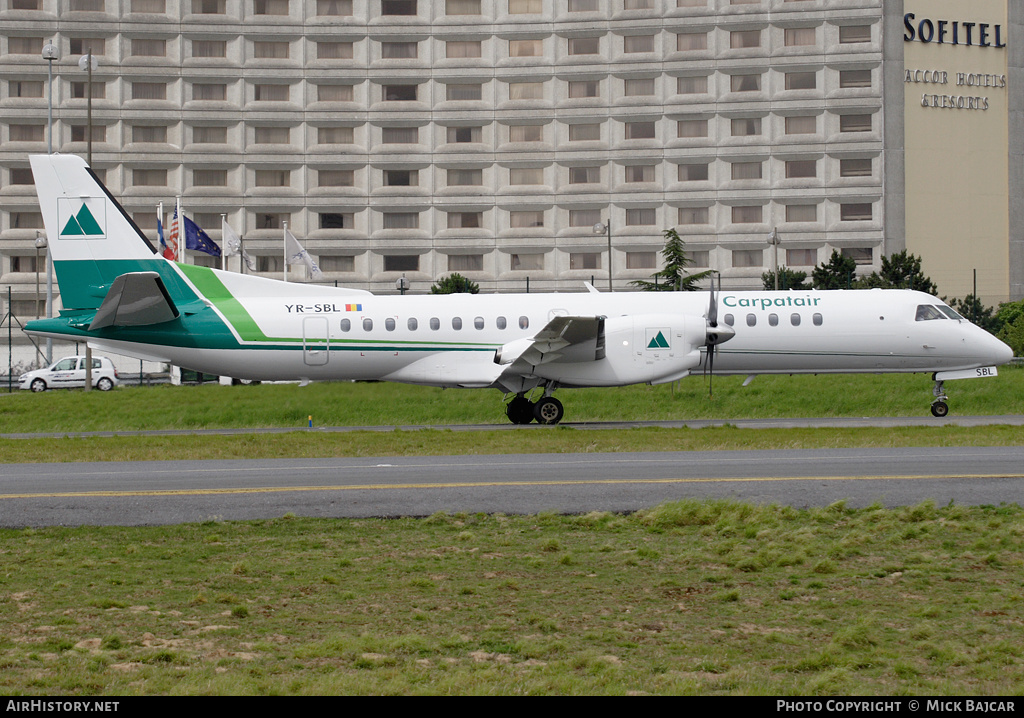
x=284, y=242
x=224, y=244
x=181, y=234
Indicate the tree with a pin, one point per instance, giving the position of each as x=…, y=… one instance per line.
x=454, y=283
x=1013, y=334
x=899, y=271
x=836, y=273
x=971, y=308
x=673, y=277
x=788, y=279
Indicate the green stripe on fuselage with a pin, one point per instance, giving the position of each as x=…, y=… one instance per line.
x=237, y=316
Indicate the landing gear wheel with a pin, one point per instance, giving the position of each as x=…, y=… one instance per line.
x=940, y=409
x=548, y=410
x=38, y=385
x=519, y=410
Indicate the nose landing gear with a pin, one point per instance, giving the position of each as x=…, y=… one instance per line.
x=939, y=407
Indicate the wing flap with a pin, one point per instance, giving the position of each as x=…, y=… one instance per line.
x=135, y=299
x=564, y=339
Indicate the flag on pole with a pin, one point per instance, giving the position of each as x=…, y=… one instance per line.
x=198, y=240
x=295, y=254
x=171, y=246
x=160, y=226
x=233, y=245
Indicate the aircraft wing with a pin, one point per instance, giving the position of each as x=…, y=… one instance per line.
x=135, y=299
x=563, y=339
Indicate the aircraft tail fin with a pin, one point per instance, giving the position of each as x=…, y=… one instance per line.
x=92, y=239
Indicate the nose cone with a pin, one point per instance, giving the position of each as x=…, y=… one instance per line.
x=988, y=349
x=1002, y=352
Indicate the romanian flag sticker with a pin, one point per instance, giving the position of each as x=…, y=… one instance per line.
x=353, y=307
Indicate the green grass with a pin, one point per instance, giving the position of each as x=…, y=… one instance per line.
x=686, y=598
x=375, y=404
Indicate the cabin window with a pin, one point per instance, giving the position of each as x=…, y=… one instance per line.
x=773, y=320
x=413, y=324
x=500, y=323
x=817, y=319
x=794, y=319
x=367, y=325
x=730, y=320
x=435, y=323
x=927, y=312
x=389, y=324
x=478, y=322
x=524, y=322
x=456, y=323
x=751, y=320
x=346, y=325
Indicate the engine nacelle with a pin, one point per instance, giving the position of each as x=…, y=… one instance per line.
x=645, y=348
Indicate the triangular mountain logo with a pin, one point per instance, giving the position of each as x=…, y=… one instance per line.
x=82, y=224
x=658, y=342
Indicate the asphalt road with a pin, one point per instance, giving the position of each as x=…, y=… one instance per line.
x=165, y=492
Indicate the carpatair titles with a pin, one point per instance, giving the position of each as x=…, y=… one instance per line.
x=768, y=302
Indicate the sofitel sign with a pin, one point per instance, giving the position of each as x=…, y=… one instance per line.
x=955, y=32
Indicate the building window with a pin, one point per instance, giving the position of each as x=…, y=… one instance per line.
x=337, y=220
x=399, y=50
x=25, y=4
x=584, y=88
x=78, y=133
x=26, y=220
x=638, y=87
x=335, y=135
x=746, y=126
x=747, y=257
x=854, y=78
x=400, y=135
x=640, y=130
x=272, y=135
x=402, y=263
x=638, y=5
x=801, y=168
x=801, y=125
x=209, y=93
x=801, y=257
x=525, y=48
x=337, y=263
x=86, y=6
x=799, y=36
x=585, y=132
x=801, y=80
x=149, y=178
x=149, y=133
x=854, y=33
x=399, y=93
x=693, y=172
x=525, y=7
x=465, y=134
x=401, y=220
x=209, y=48
x=465, y=178
x=746, y=170
x=464, y=92
x=461, y=49
x=692, y=128
x=526, y=219
x=856, y=212
x=273, y=178
x=397, y=7
x=584, y=260
x=210, y=135
x=860, y=255
x=466, y=263
x=526, y=262
x=148, y=48
x=641, y=217
x=462, y=7
x=639, y=173
x=638, y=43
x=85, y=45
x=334, y=93
x=22, y=176
x=740, y=39
x=272, y=220
x=526, y=175
x=334, y=50
x=584, y=175
x=690, y=41
x=80, y=90
x=745, y=83
x=747, y=215
x=641, y=260
x=401, y=178
x=209, y=178
x=270, y=7
x=209, y=7
x=270, y=50
x=148, y=91
x=855, y=168
x=694, y=215
x=525, y=133
x=855, y=123
x=584, y=45
x=801, y=213
x=336, y=178
x=526, y=90
x=270, y=93
x=584, y=217
x=465, y=220
x=583, y=5
x=692, y=85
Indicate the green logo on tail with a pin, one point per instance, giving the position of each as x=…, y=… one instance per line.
x=82, y=224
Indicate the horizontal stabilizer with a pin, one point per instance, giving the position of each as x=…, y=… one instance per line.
x=135, y=299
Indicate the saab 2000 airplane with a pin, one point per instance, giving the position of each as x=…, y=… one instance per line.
x=121, y=296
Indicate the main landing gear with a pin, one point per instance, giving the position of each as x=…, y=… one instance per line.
x=939, y=407
x=546, y=410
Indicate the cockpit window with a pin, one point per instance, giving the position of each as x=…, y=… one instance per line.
x=949, y=312
x=927, y=312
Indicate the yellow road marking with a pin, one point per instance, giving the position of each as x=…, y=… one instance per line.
x=492, y=484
